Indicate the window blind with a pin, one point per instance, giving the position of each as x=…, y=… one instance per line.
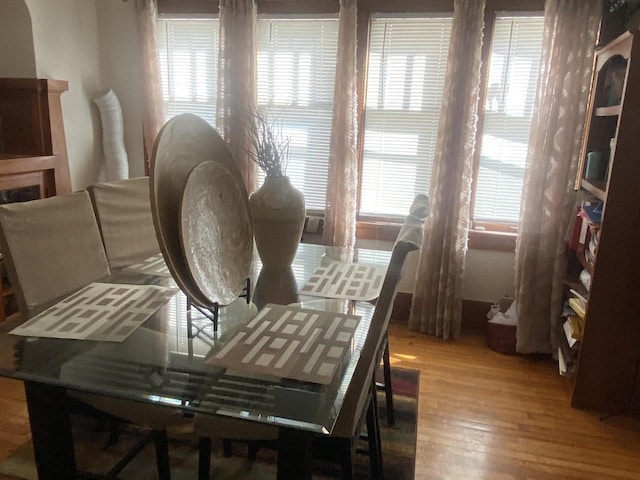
x=296, y=75
x=188, y=51
x=407, y=66
x=513, y=75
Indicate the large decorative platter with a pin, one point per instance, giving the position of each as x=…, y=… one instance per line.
x=216, y=232
x=184, y=142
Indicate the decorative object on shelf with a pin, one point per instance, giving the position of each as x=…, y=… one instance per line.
x=596, y=166
x=277, y=207
x=115, y=154
x=630, y=9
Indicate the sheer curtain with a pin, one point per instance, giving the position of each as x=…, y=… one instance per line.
x=153, y=107
x=342, y=183
x=437, y=298
x=570, y=33
x=237, y=86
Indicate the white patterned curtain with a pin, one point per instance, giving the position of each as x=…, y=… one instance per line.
x=342, y=183
x=437, y=298
x=237, y=86
x=570, y=33
x=153, y=106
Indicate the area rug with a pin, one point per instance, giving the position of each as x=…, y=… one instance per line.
x=92, y=454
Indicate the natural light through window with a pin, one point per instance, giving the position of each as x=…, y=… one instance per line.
x=513, y=75
x=407, y=64
x=296, y=75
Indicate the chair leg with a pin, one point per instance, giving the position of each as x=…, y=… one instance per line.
x=227, y=447
x=114, y=431
x=388, y=388
x=204, y=458
x=373, y=437
x=252, y=451
x=347, y=465
x=162, y=455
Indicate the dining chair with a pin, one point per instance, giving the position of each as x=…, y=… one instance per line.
x=359, y=405
x=52, y=247
x=123, y=210
x=411, y=231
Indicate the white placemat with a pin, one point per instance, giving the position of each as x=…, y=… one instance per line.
x=290, y=342
x=154, y=265
x=100, y=311
x=355, y=281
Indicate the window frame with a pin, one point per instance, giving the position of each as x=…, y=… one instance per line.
x=482, y=235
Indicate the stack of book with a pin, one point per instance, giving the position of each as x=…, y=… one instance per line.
x=572, y=328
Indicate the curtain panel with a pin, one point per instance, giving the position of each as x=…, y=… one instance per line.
x=153, y=102
x=437, y=298
x=342, y=182
x=548, y=201
x=238, y=79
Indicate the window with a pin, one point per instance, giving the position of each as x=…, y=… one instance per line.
x=513, y=73
x=296, y=76
x=188, y=50
x=407, y=66
x=407, y=61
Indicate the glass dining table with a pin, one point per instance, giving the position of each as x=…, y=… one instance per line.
x=166, y=361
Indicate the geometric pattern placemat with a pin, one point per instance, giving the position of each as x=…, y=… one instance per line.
x=154, y=265
x=290, y=342
x=100, y=311
x=355, y=281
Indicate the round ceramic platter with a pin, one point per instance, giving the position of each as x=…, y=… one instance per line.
x=184, y=142
x=216, y=232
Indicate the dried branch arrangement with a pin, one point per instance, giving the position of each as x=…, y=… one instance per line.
x=268, y=149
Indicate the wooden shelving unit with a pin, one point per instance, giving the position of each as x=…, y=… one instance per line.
x=33, y=149
x=607, y=374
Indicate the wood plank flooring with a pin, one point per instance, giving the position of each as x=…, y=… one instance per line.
x=482, y=415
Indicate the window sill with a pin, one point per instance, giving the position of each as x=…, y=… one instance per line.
x=485, y=240
x=499, y=241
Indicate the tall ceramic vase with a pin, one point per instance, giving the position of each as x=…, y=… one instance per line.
x=278, y=212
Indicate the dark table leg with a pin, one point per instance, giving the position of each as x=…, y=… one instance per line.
x=294, y=454
x=50, y=431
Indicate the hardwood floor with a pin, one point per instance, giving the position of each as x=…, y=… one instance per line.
x=482, y=415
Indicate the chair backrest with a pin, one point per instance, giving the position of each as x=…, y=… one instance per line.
x=123, y=210
x=358, y=391
x=51, y=248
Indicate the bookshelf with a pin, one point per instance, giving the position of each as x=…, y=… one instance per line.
x=606, y=375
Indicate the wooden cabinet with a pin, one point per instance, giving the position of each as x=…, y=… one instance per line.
x=607, y=374
x=33, y=149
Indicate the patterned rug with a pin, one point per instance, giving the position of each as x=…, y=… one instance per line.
x=92, y=454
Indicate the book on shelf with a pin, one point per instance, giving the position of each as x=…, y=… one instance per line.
x=578, y=306
x=592, y=212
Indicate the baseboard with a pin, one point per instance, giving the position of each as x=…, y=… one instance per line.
x=474, y=312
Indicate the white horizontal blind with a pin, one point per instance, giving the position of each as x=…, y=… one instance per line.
x=188, y=51
x=296, y=75
x=407, y=66
x=513, y=75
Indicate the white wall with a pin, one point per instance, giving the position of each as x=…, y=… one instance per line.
x=16, y=40
x=488, y=275
x=121, y=72
x=66, y=48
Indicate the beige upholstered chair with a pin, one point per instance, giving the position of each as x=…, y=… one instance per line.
x=52, y=247
x=123, y=210
x=359, y=402
x=411, y=231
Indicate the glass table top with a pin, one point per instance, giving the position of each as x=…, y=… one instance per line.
x=161, y=363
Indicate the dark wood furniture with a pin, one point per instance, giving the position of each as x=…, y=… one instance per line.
x=33, y=148
x=607, y=375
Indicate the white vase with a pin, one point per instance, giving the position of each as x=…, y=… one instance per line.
x=115, y=154
x=278, y=212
